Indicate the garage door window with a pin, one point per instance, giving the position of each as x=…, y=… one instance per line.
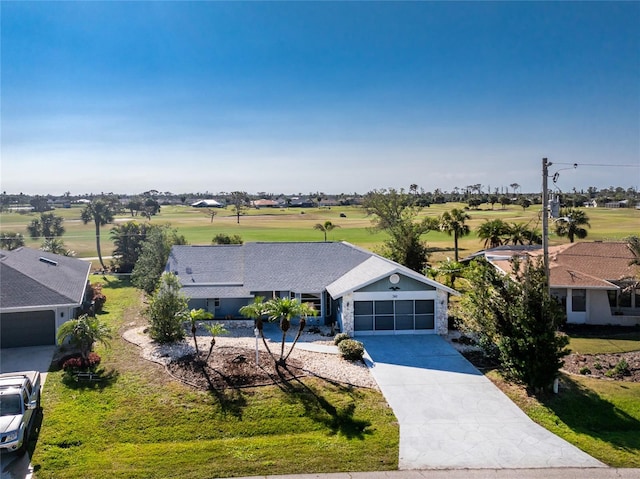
x=363, y=315
x=425, y=315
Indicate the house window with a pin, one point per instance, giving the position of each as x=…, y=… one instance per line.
x=613, y=298
x=314, y=299
x=625, y=298
x=579, y=300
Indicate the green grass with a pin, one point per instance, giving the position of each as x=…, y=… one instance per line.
x=597, y=341
x=600, y=417
x=296, y=224
x=140, y=424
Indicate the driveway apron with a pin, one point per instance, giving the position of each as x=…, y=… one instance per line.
x=451, y=416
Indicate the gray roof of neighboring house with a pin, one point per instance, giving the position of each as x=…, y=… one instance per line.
x=238, y=270
x=32, y=278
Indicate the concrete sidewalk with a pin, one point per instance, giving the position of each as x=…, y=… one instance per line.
x=547, y=473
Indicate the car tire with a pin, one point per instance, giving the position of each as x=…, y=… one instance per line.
x=25, y=443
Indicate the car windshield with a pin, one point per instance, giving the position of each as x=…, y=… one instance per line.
x=10, y=405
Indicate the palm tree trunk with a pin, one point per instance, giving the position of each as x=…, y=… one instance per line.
x=303, y=323
x=98, y=245
x=455, y=244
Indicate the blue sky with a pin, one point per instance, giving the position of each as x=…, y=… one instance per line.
x=317, y=96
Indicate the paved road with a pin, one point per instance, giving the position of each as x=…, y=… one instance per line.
x=451, y=416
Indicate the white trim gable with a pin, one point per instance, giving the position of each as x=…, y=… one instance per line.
x=374, y=269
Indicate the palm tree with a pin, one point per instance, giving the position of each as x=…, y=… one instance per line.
x=571, y=224
x=325, y=227
x=101, y=214
x=196, y=315
x=519, y=233
x=215, y=329
x=453, y=222
x=633, y=242
x=492, y=232
x=47, y=226
x=451, y=270
x=284, y=310
x=83, y=333
x=256, y=311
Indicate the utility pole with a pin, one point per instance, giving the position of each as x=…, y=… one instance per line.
x=545, y=219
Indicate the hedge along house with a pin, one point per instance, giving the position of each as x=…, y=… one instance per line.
x=38, y=292
x=361, y=292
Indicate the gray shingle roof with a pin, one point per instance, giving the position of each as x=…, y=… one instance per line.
x=32, y=278
x=238, y=270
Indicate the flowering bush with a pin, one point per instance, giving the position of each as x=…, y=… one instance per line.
x=77, y=363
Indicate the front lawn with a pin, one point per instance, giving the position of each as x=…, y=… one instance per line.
x=601, y=417
x=602, y=340
x=141, y=423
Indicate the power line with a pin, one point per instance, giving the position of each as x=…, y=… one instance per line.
x=598, y=164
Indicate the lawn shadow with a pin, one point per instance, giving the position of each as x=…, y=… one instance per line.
x=232, y=399
x=585, y=412
x=99, y=380
x=338, y=420
x=113, y=282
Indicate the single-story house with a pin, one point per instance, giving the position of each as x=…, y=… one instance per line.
x=264, y=203
x=207, y=204
x=361, y=292
x=38, y=292
x=594, y=280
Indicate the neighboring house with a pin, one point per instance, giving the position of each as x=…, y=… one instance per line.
x=594, y=280
x=207, y=204
x=38, y=292
x=263, y=203
x=361, y=292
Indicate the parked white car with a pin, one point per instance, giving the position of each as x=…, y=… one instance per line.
x=19, y=400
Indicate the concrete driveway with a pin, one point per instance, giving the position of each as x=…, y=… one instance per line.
x=37, y=358
x=451, y=416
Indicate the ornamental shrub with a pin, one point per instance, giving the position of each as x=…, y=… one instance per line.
x=76, y=363
x=338, y=338
x=351, y=349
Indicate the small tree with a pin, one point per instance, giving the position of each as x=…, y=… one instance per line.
x=83, y=333
x=167, y=310
x=11, y=240
x=516, y=319
x=239, y=201
x=223, y=238
x=153, y=257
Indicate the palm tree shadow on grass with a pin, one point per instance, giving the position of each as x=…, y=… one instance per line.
x=585, y=412
x=231, y=399
x=317, y=407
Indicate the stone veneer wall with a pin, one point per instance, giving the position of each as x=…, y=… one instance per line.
x=347, y=314
x=442, y=313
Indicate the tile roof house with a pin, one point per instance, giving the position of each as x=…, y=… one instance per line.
x=361, y=292
x=38, y=292
x=594, y=280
